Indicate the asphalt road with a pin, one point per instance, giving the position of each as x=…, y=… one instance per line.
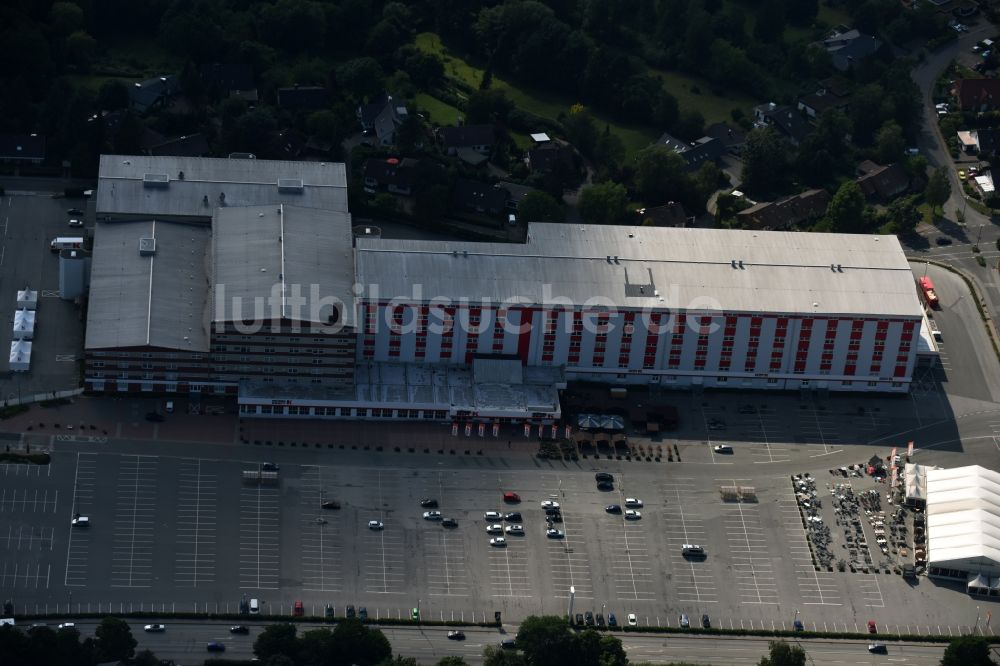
x=184, y=642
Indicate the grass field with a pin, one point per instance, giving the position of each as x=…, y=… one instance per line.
x=545, y=105
x=437, y=111
x=715, y=108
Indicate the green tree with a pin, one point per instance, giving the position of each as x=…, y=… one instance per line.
x=938, y=188
x=581, y=129
x=494, y=655
x=315, y=648
x=901, y=216
x=359, y=645
x=325, y=125
x=361, y=77
x=609, y=151
x=844, y=214
x=783, y=654
x=967, y=651
x=65, y=17
x=889, y=142
x=488, y=106
x=294, y=26
x=661, y=175
x=764, y=162
x=603, y=203
x=546, y=640
x=114, y=640
x=770, y=24
x=386, y=202
x=399, y=661
x=540, y=206
x=113, y=95
x=80, y=48
x=431, y=203
x=276, y=639
x=452, y=661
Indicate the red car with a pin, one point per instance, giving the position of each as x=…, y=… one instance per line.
x=872, y=629
x=298, y=610
x=511, y=497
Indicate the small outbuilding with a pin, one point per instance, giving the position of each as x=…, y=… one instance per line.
x=24, y=325
x=20, y=356
x=27, y=299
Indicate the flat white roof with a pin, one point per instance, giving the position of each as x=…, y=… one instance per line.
x=654, y=267
x=963, y=518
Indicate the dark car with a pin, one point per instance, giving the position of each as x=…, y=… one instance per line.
x=239, y=629
x=600, y=619
x=270, y=467
x=363, y=613
x=155, y=417
x=872, y=628
x=878, y=648
x=74, y=211
x=604, y=476
x=705, y=621
x=612, y=620
x=943, y=240
x=798, y=625
x=449, y=522
x=215, y=646
x=552, y=510
x=456, y=635
x=350, y=610
x=513, y=517
x=429, y=503
x=554, y=517
x=331, y=504
x=579, y=619
x=590, y=619
x=508, y=644
x=605, y=486
x=613, y=508
x=328, y=611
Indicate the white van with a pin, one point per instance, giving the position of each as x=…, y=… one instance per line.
x=254, y=607
x=170, y=406
x=66, y=243
x=691, y=550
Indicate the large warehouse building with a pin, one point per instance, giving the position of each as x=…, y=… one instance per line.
x=464, y=330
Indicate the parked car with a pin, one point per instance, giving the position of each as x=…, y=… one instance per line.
x=515, y=529
x=604, y=476
x=449, y=522
x=363, y=613
x=798, y=625
x=589, y=618
x=80, y=521
x=331, y=504
x=943, y=240
x=414, y=613
x=550, y=504
x=499, y=542
x=76, y=222
x=328, y=611
x=612, y=620
x=722, y=448
x=632, y=620
x=579, y=619
x=633, y=503
x=495, y=528
x=553, y=533
x=74, y=211
x=961, y=174
x=872, y=628
x=684, y=621
x=154, y=628
x=606, y=486
x=432, y=515
x=511, y=497
x=552, y=511
x=600, y=619
x=513, y=517
x=493, y=515
x=613, y=508
x=705, y=621
x=429, y=503
x=375, y=525
x=632, y=514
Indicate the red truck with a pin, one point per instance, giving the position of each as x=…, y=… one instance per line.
x=927, y=288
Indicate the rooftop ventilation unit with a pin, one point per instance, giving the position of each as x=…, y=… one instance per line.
x=293, y=185
x=147, y=247
x=155, y=180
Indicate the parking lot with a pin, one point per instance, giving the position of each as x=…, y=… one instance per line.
x=28, y=223
x=185, y=533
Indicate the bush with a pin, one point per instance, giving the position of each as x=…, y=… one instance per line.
x=26, y=458
x=980, y=260
x=12, y=410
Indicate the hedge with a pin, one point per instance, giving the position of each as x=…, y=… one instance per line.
x=26, y=458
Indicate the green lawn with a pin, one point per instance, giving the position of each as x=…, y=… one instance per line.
x=94, y=83
x=437, y=111
x=715, y=108
x=545, y=105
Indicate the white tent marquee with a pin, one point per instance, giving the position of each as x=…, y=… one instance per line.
x=20, y=355
x=27, y=298
x=963, y=522
x=915, y=479
x=24, y=324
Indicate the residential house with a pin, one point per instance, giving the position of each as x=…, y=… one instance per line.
x=515, y=194
x=732, y=138
x=776, y=215
x=22, y=148
x=985, y=140
x=824, y=99
x=300, y=99
x=470, y=143
x=849, y=48
x=788, y=122
x=882, y=182
x=694, y=154
x=549, y=156
x=398, y=176
x=153, y=94
x=230, y=79
x=471, y=196
x=190, y=145
x=382, y=117
x=978, y=94
x=671, y=214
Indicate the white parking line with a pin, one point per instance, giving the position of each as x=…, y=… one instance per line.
x=131, y=565
x=196, y=523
